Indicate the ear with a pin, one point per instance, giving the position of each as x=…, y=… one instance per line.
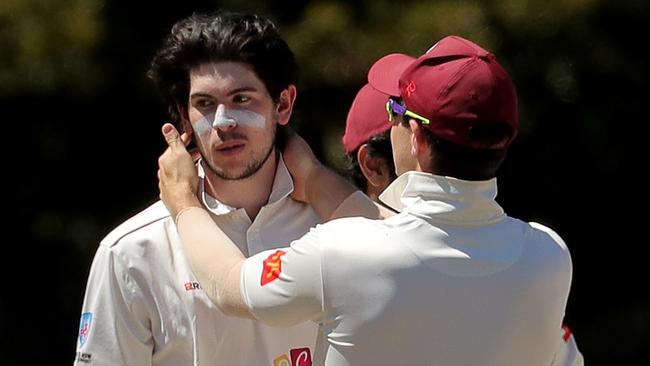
x=420, y=147
x=185, y=119
x=419, y=144
x=285, y=105
x=187, y=126
x=373, y=168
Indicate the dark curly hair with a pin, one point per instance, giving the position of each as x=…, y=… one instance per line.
x=217, y=37
x=378, y=146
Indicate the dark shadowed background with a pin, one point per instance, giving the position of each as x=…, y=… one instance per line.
x=83, y=127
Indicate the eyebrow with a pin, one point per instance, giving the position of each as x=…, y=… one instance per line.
x=232, y=92
x=243, y=89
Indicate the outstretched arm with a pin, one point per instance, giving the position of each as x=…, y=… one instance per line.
x=215, y=259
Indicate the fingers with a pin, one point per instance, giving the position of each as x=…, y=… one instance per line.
x=171, y=135
x=185, y=138
x=195, y=154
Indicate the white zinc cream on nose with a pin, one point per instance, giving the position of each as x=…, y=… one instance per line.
x=225, y=119
x=222, y=120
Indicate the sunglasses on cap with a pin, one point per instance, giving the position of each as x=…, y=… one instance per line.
x=394, y=108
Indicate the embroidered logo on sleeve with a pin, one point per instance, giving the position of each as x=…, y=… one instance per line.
x=272, y=267
x=84, y=328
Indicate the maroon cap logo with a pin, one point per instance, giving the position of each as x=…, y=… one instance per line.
x=410, y=89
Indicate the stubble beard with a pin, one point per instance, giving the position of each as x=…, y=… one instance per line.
x=252, y=168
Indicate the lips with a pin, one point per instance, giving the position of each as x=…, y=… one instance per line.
x=231, y=147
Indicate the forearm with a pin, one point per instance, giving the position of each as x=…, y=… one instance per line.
x=333, y=197
x=359, y=205
x=325, y=190
x=215, y=259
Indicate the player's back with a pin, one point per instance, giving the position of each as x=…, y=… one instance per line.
x=426, y=293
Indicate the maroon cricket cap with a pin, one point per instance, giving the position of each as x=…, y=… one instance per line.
x=457, y=85
x=367, y=117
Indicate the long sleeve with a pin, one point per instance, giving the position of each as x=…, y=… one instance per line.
x=114, y=327
x=284, y=286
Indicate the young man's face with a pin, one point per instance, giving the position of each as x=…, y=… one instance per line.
x=233, y=118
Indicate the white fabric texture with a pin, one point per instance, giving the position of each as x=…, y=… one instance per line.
x=148, y=309
x=451, y=280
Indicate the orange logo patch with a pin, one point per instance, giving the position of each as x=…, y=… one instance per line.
x=272, y=267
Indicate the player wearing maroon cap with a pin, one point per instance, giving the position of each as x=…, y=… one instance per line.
x=370, y=166
x=449, y=280
x=367, y=143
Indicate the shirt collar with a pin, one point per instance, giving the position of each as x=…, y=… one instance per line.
x=282, y=187
x=444, y=199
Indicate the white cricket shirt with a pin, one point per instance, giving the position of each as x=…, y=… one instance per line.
x=143, y=305
x=451, y=280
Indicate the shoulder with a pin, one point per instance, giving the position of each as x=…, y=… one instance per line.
x=546, y=246
x=349, y=225
x=147, y=222
x=542, y=232
x=349, y=233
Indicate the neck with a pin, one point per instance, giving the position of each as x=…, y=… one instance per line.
x=250, y=193
x=373, y=192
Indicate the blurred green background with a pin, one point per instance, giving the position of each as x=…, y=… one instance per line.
x=83, y=124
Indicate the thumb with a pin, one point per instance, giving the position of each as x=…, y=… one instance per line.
x=171, y=135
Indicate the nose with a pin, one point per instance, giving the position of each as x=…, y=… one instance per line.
x=222, y=121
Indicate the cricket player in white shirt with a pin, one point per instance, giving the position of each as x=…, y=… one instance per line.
x=449, y=280
x=370, y=166
x=229, y=79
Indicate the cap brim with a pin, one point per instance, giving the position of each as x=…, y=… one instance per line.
x=385, y=73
